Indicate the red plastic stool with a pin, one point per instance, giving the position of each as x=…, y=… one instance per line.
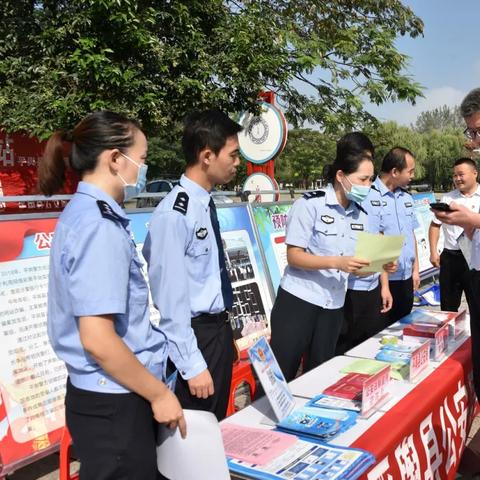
x=242, y=372
x=64, y=467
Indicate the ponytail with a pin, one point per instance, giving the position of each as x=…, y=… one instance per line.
x=51, y=170
x=99, y=131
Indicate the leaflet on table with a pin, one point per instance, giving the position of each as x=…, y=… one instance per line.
x=271, y=377
x=436, y=334
x=308, y=459
x=375, y=387
x=315, y=421
x=410, y=359
x=455, y=320
x=398, y=370
x=378, y=249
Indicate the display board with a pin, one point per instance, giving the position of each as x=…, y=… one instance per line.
x=32, y=379
x=270, y=221
x=251, y=287
x=424, y=217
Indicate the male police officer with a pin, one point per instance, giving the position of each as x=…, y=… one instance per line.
x=398, y=218
x=454, y=270
x=186, y=265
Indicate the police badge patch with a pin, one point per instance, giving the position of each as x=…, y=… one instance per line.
x=327, y=219
x=201, y=233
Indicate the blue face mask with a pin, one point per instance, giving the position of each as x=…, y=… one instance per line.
x=357, y=193
x=132, y=190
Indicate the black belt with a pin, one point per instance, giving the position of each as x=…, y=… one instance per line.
x=221, y=317
x=453, y=252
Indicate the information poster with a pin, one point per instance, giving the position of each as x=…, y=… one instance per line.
x=424, y=217
x=252, y=299
x=32, y=379
x=271, y=220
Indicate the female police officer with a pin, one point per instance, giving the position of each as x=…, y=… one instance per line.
x=322, y=228
x=98, y=317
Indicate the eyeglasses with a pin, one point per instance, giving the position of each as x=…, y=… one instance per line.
x=472, y=133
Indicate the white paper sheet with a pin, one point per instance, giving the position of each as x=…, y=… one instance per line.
x=200, y=456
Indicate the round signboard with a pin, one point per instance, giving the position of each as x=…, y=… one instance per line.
x=257, y=182
x=263, y=136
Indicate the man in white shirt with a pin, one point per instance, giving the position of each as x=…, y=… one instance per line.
x=454, y=269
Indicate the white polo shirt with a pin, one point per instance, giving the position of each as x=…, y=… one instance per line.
x=452, y=232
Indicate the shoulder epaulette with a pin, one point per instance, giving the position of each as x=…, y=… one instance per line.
x=181, y=203
x=314, y=194
x=107, y=212
x=361, y=208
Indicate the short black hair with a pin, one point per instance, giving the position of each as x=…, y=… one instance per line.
x=354, y=142
x=471, y=103
x=395, y=158
x=207, y=129
x=466, y=160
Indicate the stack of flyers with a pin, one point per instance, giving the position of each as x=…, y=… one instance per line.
x=399, y=356
x=349, y=386
x=323, y=423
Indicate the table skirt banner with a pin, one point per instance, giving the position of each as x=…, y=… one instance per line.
x=435, y=417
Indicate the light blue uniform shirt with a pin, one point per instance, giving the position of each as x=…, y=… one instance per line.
x=320, y=225
x=398, y=218
x=373, y=206
x=183, y=269
x=95, y=270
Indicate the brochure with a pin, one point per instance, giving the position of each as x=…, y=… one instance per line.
x=327, y=401
x=349, y=386
x=307, y=459
x=324, y=423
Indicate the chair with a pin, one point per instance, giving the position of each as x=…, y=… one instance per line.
x=64, y=462
x=242, y=372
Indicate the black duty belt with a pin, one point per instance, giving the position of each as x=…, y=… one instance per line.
x=453, y=252
x=221, y=317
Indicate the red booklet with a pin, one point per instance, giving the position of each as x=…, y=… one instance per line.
x=421, y=330
x=350, y=386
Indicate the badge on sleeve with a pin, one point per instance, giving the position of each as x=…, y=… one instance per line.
x=327, y=219
x=181, y=203
x=356, y=226
x=201, y=233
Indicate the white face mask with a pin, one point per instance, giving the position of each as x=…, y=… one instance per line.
x=132, y=190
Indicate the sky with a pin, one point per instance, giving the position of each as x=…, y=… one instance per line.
x=445, y=61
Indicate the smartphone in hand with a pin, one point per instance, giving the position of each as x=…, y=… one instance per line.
x=440, y=206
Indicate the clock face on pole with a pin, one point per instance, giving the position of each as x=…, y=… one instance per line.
x=257, y=182
x=263, y=137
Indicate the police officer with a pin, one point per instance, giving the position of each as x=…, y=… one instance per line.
x=368, y=298
x=186, y=265
x=454, y=270
x=398, y=218
x=98, y=317
x=321, y=233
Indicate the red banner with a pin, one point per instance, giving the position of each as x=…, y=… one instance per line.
x=19, y=157
x=435, y=418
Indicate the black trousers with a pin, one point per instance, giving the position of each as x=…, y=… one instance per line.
x=402, y=294
x=215, y=341
x=362, y=318
x=114, y=435
x=300, y=328
x=473, y=299
x=454, y=277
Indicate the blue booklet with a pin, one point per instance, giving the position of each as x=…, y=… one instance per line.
x=308, y=459
x=314, y=421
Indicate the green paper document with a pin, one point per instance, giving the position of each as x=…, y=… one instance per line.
x=378, y=249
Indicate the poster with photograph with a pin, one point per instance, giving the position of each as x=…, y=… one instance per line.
x=424, y=217
x=252, y=302
x=270, y=220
